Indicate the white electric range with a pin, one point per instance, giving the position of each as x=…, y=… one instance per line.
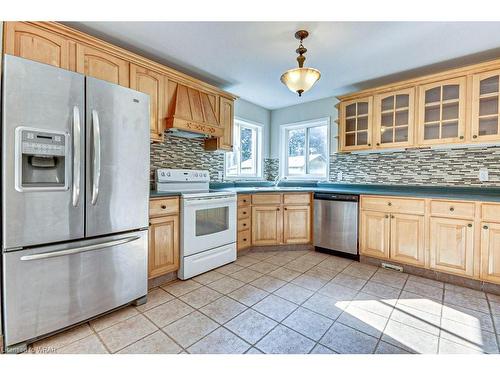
x=208, y=220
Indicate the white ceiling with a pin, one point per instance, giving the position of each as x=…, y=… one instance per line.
x=248, y=58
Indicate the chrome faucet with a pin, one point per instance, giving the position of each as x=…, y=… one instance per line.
x=277, y=180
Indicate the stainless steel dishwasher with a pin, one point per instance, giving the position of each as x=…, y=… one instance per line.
x=336, y=223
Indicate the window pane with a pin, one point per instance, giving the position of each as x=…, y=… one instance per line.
x=248, y=162
x=318, y=146
x=212, y=220
x=231, y=164
x=296, y=152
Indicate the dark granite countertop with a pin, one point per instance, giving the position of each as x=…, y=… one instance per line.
x=446, y=192
x=159, y=194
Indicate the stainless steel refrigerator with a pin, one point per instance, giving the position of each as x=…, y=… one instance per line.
x=75, y=187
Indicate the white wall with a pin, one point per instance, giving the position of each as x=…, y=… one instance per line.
x=302, y=112
x=254, y=113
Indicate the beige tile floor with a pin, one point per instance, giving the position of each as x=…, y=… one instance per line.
x=294, y=302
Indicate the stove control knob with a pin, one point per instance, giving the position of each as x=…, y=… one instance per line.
x=204, y=175
x=163, y=173
x=196, y=174
x=168, y=174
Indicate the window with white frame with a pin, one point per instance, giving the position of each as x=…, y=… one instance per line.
x=245, y=161
x=305, y=149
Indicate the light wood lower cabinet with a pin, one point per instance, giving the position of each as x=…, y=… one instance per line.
x=375, y=234
x=276, y=223
x=407, y=239
x=490, y=252
x=296, y=224
x=452, y=245
x=395, y=236
x=163, y=237
x=266, y=225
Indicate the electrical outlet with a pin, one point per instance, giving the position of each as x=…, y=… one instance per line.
x=339, y=176
x=483, y=174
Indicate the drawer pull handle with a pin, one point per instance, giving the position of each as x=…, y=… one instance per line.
x=452, y=209
x=469, y=225
x=163, y=206
x=389, y=204
x=485, y=227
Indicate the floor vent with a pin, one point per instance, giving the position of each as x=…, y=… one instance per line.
x=392, y=267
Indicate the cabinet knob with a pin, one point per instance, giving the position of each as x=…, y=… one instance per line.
x=244, y=224
x=452, y=209
x=392, y=216
x=163, y=206
x=389, y=204
x=474, y=136
x=387, y=216
x=244, y=239
x=244, y=212
x=285, y=208
x=244, y=201
x=369, y=144
x=485, y=227
x=277, y=209
x=469, y=225
x=461, y=137
x=378, y=144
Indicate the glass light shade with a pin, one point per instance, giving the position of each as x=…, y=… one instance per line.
x=300, y=79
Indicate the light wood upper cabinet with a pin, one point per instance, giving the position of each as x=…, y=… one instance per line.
x=375, y=234
x=452, y=245
x=36, y=44
x=296, y=224
x=163, y=245
x=407, y=239
x=441, y=112
x=267, y=224
x=226, y=120
x=356, y=124
x=99, y=64
x=152, y=83
x=490, y=252
x=393, y=119
x=485, y=107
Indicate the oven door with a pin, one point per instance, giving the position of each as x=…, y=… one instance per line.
x=207, y=222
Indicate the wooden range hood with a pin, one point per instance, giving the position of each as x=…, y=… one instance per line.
x=192, y=111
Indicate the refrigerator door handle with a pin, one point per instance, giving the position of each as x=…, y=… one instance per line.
x=81, y=249
x=76, y=155
x=97, y=156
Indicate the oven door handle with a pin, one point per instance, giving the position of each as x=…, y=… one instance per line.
x=204, y=201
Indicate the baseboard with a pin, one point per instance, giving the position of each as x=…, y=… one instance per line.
x=163, y=279
x=437, y=275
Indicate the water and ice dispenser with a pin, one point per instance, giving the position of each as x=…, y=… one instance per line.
x=42, y=160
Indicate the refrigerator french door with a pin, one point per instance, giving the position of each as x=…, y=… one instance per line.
x=75, y=184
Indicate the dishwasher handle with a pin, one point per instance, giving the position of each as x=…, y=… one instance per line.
x=336, y=197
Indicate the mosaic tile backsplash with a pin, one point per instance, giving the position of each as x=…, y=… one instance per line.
x=183, y=153
x=444, y=167
x=271, y=169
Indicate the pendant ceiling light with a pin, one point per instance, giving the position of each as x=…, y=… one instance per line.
x=301, y=79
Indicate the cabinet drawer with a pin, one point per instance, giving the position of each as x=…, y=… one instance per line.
x=243, y=212
x=391, y=204
x=456, y=209
x=243, y=239
x=490, y=212
x=266, y=198
x=244, y=199
x=297, y=198
x=243, y=224
x=159, y=207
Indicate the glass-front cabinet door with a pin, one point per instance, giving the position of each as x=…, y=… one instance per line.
x=442, y=112
x=393, y=125
x=355, y=124
x=485, y=106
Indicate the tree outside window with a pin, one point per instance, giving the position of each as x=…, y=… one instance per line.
x=245, y=159
x=306, y=149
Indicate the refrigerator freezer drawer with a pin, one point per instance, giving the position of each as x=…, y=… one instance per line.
x=208, y=260
x=50, y=288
